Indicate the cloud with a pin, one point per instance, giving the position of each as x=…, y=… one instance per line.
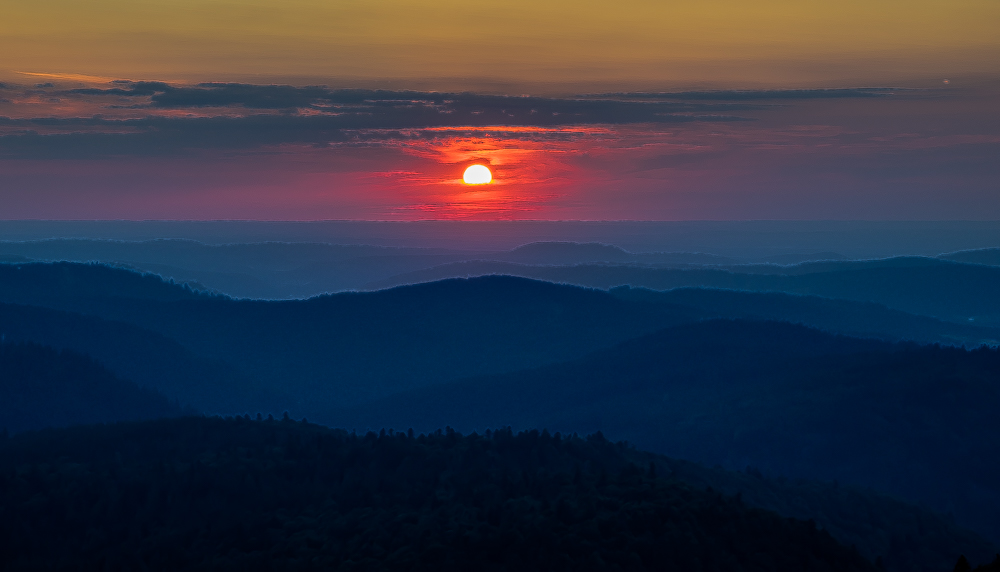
x=250, y=96
x=129, y=89
x=762, y=94
x=158, y=118
x=166, y=119
x=382, y=102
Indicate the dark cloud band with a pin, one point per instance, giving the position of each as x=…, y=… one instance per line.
x=261, y=115
x=760, y=95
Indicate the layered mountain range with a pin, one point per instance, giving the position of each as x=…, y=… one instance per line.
x=868, y=379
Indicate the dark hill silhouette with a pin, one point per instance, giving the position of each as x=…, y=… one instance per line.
x=68, y=284
x=468, y=269
x=342, y=348
x=903, y=536
x=202, y=493
x=851, y=317
x=354, y=345
x=927, y=286
x=142, y=356
x=918, y=422
x=315, y=355
x=42, y=387
x=963, y=565
x=858, y=319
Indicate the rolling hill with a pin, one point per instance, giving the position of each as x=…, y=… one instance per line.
x=313, y=356
x=348, y=347
x=952, y=291
x=988, y=256
x=915, y=421
x=847, y=317
x=288, y=270
x=41, y=387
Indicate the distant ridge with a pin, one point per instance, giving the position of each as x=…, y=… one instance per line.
x=745, y=240
x=30, y=282
x=287, y=270
x=988, y=256
x=568, y=253
x=797, y=258
x=298, y=270
x=943, y=289
x=858, y=319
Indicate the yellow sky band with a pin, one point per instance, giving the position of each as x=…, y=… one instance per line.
x=632, y=43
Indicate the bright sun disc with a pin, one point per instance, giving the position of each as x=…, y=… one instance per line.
x=477, y=175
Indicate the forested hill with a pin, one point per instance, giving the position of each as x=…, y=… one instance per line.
x=42, y=387
x=918, y=422
x=42, y=283
x=235, y=494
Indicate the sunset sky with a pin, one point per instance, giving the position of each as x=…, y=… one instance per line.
x=653, y=110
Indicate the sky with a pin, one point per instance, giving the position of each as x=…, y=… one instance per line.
x=371, y=110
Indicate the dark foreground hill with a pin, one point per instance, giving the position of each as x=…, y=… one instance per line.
x=917, y=422
x=42, y=387
x=903, y=537
x=215, y=494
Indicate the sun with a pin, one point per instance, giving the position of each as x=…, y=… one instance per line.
x=477, y=175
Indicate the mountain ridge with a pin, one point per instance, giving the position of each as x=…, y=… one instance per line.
x=785, y=398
